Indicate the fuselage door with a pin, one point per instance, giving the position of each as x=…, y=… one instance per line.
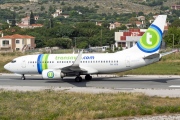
x=23, y=64
x=128, y=61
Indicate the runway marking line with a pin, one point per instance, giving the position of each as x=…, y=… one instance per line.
x=174, y=86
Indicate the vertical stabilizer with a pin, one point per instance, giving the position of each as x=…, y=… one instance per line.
x=150, y=42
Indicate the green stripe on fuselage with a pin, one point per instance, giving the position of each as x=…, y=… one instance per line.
x=44, y=61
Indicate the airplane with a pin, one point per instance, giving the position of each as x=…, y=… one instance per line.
x=58, y=66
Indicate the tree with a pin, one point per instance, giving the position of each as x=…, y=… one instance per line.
x=176, y=23
x=172, y=37
x=32, y=20
x=4, y=26
x=13, y=20
x=123, y=27
x=42, y=8
x=60, y=42
x=52, y=9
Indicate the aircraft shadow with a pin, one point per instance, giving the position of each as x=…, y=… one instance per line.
x=84, y=82
x=98, y=79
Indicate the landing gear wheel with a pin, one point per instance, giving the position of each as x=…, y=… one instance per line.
x=88, y=77
x=23, y=77
x=78, y=79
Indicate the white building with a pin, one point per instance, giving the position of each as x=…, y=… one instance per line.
x=57, y=13
x=128, y=38
x=33, y=0
x=16, y=42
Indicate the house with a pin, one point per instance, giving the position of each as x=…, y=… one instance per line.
x=114, y=25
x=16, y=42
x=175, y=7
x=65, y=16
x=25, y=23
x=33, y=0
x=129, y=25
x=141, y=18
x=98, y=23
x=128, y=38
x=30, y=26
x=57, y=13
x=138, y=24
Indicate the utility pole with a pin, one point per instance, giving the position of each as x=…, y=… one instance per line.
x=173, y=40
x=101, y=37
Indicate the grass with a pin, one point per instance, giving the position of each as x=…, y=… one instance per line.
x=64, y=105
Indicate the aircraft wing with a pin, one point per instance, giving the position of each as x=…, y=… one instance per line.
x=75, y=67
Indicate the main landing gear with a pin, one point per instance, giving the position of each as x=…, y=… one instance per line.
x=88, y=77
x=79, y=78
x=23, y=77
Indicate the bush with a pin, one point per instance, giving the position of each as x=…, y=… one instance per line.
x=161, y=109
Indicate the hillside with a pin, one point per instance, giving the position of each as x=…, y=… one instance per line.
x=102, y=6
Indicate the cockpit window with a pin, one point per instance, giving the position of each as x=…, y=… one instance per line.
x=13, y=61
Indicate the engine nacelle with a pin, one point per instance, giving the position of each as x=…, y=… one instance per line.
x=52, y=74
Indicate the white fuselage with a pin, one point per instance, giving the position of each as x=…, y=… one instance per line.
x=94, y=63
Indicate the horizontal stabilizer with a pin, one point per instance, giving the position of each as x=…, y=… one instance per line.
x=167, y=53
x=156, y=55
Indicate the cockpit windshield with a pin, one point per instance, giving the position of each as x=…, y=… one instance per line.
x=13, y=61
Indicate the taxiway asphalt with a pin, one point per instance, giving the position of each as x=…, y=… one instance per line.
x=103, y=81
x=152, y=85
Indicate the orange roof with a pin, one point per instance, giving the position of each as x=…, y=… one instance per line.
x=138, y=22
x=36, y=25
x=17, y=36
x=165, y=27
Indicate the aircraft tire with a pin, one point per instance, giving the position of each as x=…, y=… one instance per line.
x=23, y=78
x=88, y=77
x=78, y=79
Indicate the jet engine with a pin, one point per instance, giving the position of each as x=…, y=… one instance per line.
x=52, y=74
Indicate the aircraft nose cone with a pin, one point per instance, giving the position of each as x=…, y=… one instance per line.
x=6, y=66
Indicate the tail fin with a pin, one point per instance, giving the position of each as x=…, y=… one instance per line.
x=150, y=42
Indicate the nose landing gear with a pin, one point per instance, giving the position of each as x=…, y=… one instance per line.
x=23, y=77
